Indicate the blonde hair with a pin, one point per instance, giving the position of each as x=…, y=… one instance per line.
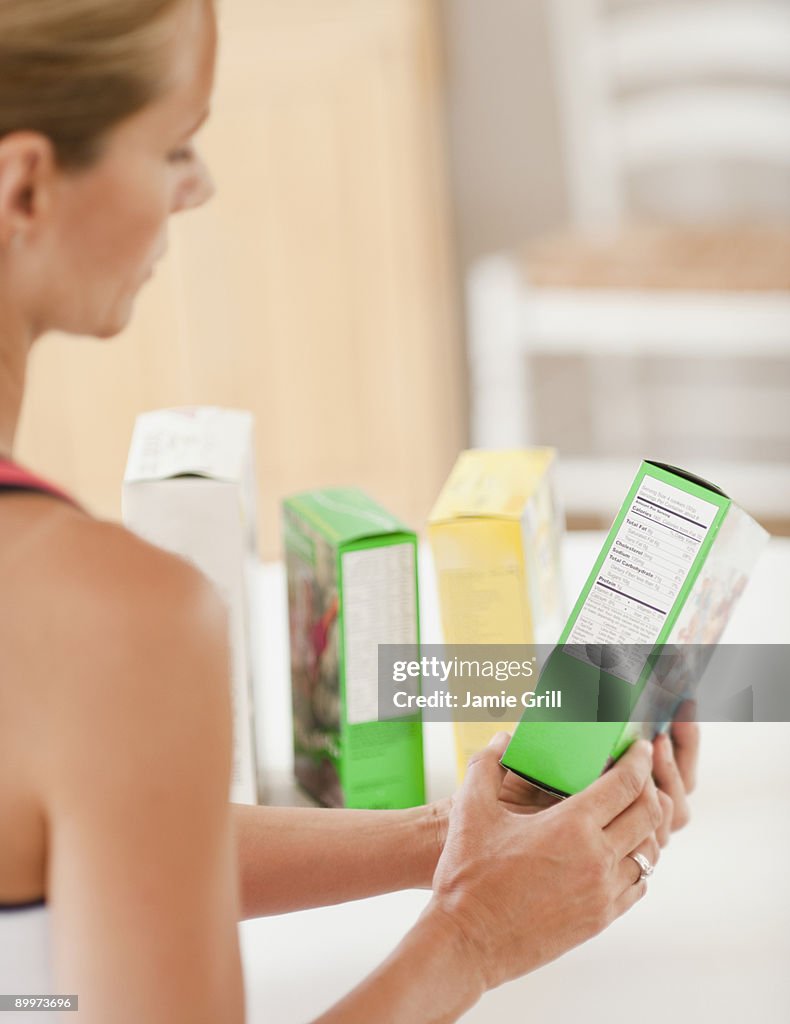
x=72, y=69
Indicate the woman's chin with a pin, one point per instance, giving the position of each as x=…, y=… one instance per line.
x=109, y=330
x=116, y=321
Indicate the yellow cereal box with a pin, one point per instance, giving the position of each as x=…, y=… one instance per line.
x=495, y=533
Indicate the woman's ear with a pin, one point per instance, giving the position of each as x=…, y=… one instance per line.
x=27, y=166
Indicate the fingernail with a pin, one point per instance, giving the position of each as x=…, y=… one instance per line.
x=498, y=738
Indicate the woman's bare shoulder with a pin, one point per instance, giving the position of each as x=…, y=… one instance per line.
x=88, y=573
x=99, y=557
x=131, y=655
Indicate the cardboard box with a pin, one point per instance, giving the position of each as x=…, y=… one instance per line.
x=496, y=532
x=189, y=487
x=673, y=566
x=352, y=585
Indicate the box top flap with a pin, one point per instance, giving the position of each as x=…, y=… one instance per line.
x=345, y=514
x=201, y=441
x=685, y=475
x=492, y=483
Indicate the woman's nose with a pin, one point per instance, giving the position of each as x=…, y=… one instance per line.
x=196, y=189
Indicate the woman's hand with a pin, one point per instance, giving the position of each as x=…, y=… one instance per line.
x=515, y=794
x=521, y=889
x=675, y=758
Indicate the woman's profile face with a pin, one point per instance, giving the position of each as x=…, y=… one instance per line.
x=101, y=230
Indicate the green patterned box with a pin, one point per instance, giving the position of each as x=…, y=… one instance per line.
x=673, y=566
x=352, y=585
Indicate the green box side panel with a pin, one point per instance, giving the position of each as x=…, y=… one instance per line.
x=565, y=749
x=563, y=757
x=382, y=764
x=648, y=469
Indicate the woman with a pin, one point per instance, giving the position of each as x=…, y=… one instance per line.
x=123, y=869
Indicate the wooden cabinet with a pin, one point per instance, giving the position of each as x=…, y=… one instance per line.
x=317, y=289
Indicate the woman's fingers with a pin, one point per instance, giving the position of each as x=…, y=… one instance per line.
x=668, y=778
x=636, y=823
x=629, y=897
x=667, y=813
x=484, y=773
x=618, y=788
x=629, y=872
x=686, y=736
x=631, y=884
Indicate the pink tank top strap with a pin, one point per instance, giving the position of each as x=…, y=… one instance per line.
x=14, y=477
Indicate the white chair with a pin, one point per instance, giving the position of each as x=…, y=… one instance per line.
x=652, y=85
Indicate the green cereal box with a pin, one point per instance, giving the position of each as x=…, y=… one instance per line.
x=352, y=585
x=670, y=572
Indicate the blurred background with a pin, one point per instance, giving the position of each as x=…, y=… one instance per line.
x=449, y=223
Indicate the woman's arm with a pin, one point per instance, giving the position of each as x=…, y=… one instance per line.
x=432, y=977
x=292, y=858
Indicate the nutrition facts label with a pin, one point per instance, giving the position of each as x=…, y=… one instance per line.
x=645, y=568
x=379, y=607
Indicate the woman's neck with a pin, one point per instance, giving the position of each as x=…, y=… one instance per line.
x=14, y=349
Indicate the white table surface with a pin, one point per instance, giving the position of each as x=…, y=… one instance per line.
x=709, y=943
